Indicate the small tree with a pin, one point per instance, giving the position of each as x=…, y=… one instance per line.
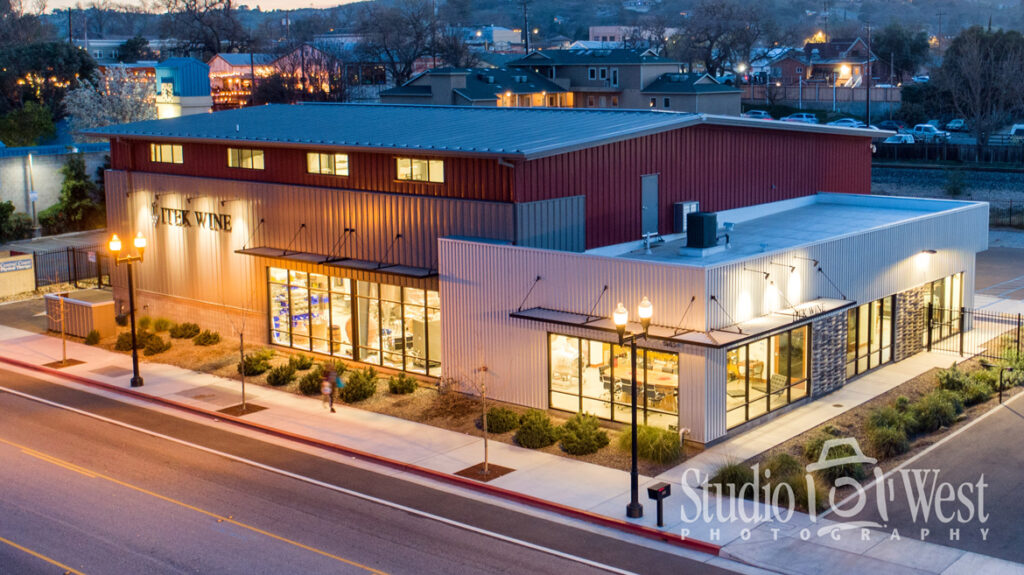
x=79, y=207
x=135, y=49
x=27, y=126
x=118, y=97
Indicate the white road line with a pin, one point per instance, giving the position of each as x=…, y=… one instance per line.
x=318, y=483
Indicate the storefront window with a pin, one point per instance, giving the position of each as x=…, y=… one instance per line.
x=595, y=377
x=766, y=375
x=869, y=336
x=945, y=298
x=374, y=323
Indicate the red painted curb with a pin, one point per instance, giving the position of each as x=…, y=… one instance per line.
x=641, y=530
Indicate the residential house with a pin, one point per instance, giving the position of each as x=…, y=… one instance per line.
x=502, y=87
x=231, y=77
x=841, y=62
x=108, y=50
x=698, y=93
x=618, y=78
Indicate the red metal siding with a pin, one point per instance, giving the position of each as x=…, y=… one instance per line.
x=465, y=178
x=721, y=167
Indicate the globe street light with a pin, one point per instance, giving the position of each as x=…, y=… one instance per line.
x=620, y=317
x=139, y=242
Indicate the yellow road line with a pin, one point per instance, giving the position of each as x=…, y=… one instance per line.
x=219, y=518
x=56, y=461
x=41, y=556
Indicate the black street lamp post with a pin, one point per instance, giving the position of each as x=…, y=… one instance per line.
x=620, y=317
x=115, y=249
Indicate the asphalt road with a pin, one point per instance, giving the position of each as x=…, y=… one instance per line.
x=81, y=495
x=988, y=451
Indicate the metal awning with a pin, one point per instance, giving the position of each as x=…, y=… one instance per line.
x=343, y=263
x=717, y=338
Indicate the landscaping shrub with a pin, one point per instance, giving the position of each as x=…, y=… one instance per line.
x=361, y=385
x=300, y=361
x=536, y=430
x=207, y=337
x=121, y=319
x=812, y=451
x=402, y=384
x=265, y=353
x=124, y=340
x=953, y=379
x=976, y=393
x=281, y=375
x=783, y=465
x=890, y=416
x=799, y=485
x=185, y=331
x=887, y=441
x=162, y=324
x=501, y=420
x=582, y=435
x=987, y=376
x=311, y=382
x=253, y=364
x=145, y=322
x=156, y=344
x=92, y=338
x=653, y=443
x=902, y=403
x=735, y=474
x=937, y=409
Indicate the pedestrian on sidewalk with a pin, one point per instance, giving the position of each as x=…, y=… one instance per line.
x=327, y=387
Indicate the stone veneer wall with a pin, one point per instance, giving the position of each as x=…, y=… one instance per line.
x=828, y=354
x=911, y=322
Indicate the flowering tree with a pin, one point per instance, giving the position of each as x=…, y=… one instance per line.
x=118, y=97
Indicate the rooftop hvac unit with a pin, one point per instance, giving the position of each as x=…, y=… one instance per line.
x=679, y=211
x=701, y=230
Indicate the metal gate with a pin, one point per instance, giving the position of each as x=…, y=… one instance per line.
x=971, y=332
x=75, y=265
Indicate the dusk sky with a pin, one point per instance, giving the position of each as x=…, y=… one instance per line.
x=263, y=4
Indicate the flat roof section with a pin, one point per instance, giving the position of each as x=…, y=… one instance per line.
x=523, y=133
x=795, y=223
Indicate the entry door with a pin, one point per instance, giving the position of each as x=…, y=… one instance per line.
x=649, y=204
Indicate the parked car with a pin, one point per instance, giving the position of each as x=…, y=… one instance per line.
x=848, y=123
x=803, y=117
x=929, y=133
x=1017, y=133
x=757, y=115
x=921, y=79
x=957, y=125
x=899, y=139
x=884, y=86
x=894, y=125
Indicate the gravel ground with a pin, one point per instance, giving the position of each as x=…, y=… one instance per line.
x=983, y=186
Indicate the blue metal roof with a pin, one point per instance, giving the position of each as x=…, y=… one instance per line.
x=256, y=59
x=189, y=76
x=464, y=130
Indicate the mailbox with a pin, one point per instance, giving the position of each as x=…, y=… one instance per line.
x=659, y=492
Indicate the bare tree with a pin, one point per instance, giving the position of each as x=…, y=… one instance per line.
x=650, y=32
x=315, y=72
x=452, y=50
x=397, y=33
x=983, y=75
x=203, y=26
x=720, y=32
x=19, y=26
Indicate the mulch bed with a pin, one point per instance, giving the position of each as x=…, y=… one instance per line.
x=477, y=472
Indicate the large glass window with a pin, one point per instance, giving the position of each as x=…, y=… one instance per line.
x=945, y=297
x=245, y=158
x=766, y=374
x=596, y=377
x=416, y=170
x=374, y=323
x=869, y=329
x=330, y=164
x=166, y=153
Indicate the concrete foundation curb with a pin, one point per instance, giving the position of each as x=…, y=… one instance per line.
x=641, y=530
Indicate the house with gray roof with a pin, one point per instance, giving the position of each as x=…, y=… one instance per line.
x=698, y=93
x=504, y=87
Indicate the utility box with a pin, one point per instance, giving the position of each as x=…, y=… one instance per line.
x=701, y=230
x=679, y=212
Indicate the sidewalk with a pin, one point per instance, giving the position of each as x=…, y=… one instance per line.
x=591, y=488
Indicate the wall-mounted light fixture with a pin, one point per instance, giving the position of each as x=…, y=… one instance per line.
x=791, y=268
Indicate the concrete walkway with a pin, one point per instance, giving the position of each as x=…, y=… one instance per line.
x=751, y=538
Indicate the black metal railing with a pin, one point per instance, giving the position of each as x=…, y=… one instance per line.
x=78, y=266
x=971, y=332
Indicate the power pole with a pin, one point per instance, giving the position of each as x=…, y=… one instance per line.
x=939, y=37
x=526, y=26
x=867, y=80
